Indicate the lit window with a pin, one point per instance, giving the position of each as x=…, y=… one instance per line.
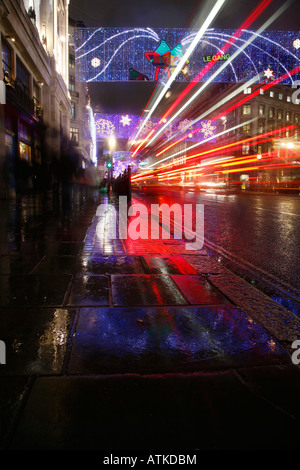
x=288, y=98
x=261, y=91
x=271, y=94
x=279, y=115
x=72, y=61
x=288, y=116
x=280, y=96
x=247, y=109
x=74, y=134
x=246, y=128
x=245, y=149
x=71, y=83
x=261, y=110
x=271, y=113
x=261, y=127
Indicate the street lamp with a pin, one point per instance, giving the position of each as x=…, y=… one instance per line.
x=110, y=163
x=112, y=142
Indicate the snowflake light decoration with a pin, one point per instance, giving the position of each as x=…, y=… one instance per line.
x=105, y=127
x=169, y=131
x=296, y=44
x=125, y=120
x=184, y=125
x=207, y=129
x=268, y=73
x=95, y=62
x=147, y=127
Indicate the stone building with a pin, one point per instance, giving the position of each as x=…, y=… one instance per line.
x=81, y=112
x=35, y=102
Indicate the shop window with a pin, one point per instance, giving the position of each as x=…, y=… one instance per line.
x=25, y=152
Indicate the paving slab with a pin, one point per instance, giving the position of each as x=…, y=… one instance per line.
x=36, y=340
x=114, y=264
x=52, y=263
x=165, y=340
x=33, y=290
x=169, y=265
x=198, y=290
x=199, y=411
x=204, y=263
x=89, y=290
x=276, y=319
x=277, y=384
x=13, y=391
x=144, y=289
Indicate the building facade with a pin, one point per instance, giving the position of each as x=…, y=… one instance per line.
x=255, y=143
x=81, y=111
x=35, y=102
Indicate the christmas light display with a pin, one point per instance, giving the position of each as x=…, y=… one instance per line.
x=296, y=44
x=122, y=127
x=122, y=54
x=268, y=73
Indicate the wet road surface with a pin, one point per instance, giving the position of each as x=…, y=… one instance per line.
x=256, y=235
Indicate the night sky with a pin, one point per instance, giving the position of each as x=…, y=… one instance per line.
x=176, y=13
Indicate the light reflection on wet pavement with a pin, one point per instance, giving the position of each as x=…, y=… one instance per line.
x=56, y=269
x=74, y=305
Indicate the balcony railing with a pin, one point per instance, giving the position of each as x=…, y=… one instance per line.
x=18, y=95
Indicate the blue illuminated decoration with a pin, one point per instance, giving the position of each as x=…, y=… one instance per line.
x=120, y=54
x=123, y=127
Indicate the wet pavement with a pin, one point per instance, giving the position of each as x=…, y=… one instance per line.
x=135, y=344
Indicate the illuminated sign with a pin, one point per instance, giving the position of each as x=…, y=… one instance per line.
x=122, y=54
x=216, y=57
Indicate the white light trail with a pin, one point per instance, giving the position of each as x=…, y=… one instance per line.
x=225, y=100
x=223, y=66
x=214, y=11
x=202, y=142
x=263, y=50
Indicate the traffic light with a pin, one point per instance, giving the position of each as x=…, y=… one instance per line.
x=109, y=164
